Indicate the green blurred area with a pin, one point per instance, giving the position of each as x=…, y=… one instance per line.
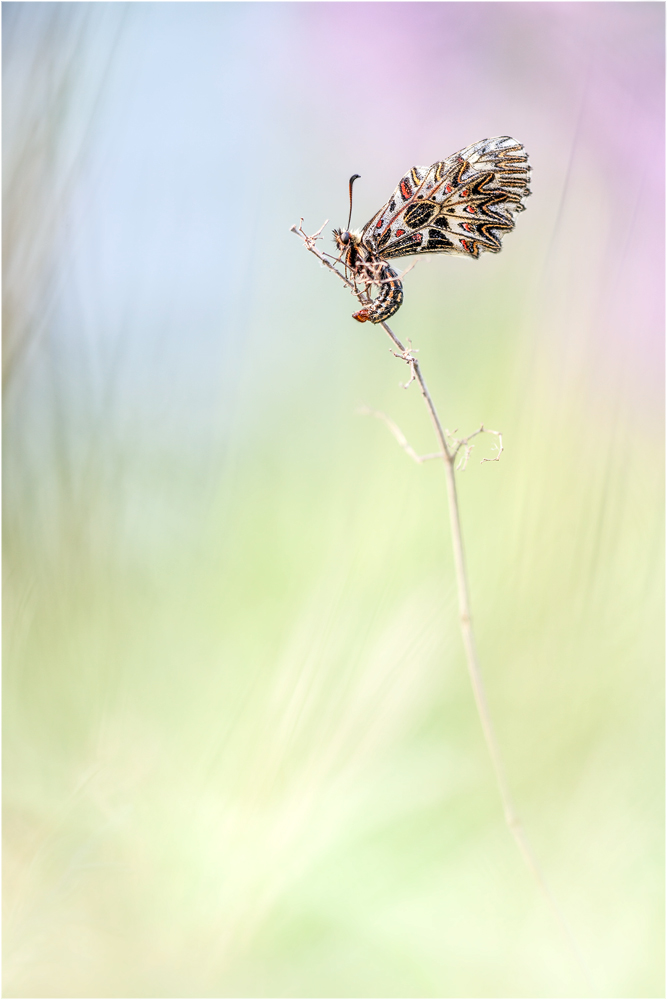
x=247, y=762
x=241, y=755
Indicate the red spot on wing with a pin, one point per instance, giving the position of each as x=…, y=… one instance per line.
x=406, y=190
x=464, y=193
x=464, y=244
x=400, y=232
x=470, y=209
x=418, y=237
x=378, y=224
x=448, y=188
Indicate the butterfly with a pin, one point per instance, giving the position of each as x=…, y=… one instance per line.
x=462, y=205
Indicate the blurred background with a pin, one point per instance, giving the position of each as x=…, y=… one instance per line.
x=241, y=754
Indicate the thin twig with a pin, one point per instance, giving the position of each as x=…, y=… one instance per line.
x=366, y=411
x=449, y=449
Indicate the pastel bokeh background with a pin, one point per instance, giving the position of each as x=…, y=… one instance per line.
x=241, y=756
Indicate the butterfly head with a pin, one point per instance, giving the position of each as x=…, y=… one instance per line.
x=347, y=243
x=345, y=237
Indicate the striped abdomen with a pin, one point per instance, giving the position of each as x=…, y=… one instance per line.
x=389, y=299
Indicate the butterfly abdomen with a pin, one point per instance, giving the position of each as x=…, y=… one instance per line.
x=388, y=301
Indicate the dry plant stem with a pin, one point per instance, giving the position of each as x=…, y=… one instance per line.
x=448, y=452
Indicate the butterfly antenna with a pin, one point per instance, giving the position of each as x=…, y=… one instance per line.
x=352, y=180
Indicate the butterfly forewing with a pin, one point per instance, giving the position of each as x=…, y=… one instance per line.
x=461, y=205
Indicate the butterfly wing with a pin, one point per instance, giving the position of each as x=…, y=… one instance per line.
x=462, y=205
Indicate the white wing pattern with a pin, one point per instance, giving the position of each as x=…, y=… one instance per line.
x=462, y=205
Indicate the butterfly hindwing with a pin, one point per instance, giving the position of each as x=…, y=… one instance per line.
x=461, y=205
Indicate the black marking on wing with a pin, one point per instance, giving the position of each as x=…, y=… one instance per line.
x=438, y=242
x=419, y=215
x=472, y=195
x=384, y=239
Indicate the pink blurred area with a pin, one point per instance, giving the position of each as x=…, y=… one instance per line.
x=581, y=85
x=418, y=73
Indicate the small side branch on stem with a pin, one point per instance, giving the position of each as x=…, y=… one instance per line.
x=463, y=443
x=366, y=411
